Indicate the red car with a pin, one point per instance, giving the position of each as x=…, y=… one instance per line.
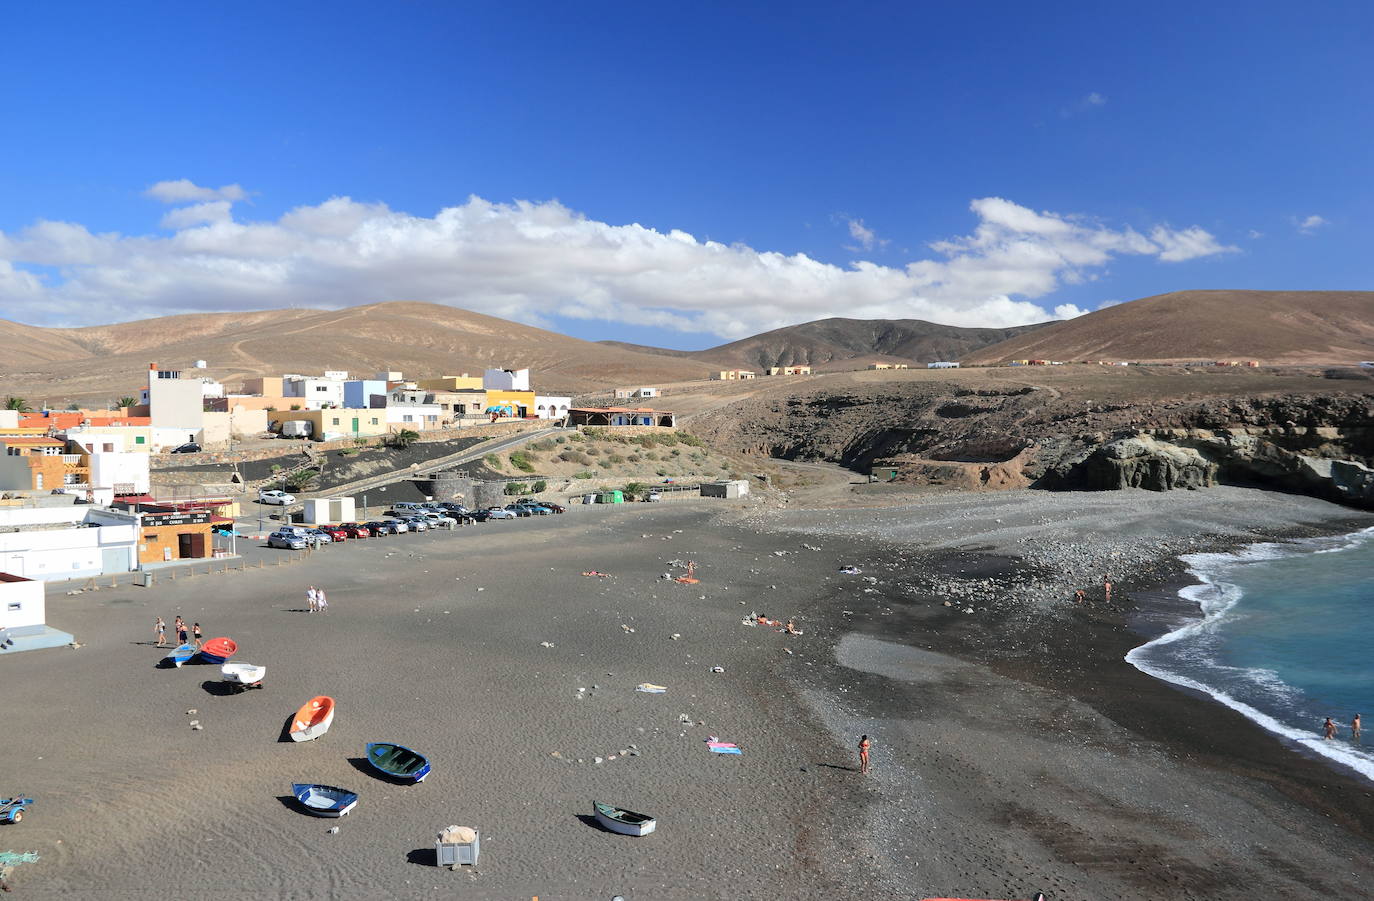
x=355, y=530
x=335, y=532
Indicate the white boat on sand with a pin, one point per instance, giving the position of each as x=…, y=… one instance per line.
x=244, y=674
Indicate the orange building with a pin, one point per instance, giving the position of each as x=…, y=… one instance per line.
x=39, y=464
x=69, y=419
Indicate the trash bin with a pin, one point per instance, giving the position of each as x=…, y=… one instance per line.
x=143, y=578
x=456, y=846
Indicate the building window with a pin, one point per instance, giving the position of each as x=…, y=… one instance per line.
x=336, y=420
x=321, y=388
x=71, y=478
x=38, y=482
x=138, y=439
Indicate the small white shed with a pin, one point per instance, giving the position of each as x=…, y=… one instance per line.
x=730, y=488
x=330, y=510
x=21, y=602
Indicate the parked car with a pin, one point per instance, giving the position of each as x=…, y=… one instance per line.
x=380, y=527
x=191, y=448
x=552, y=507
x=454, y=507
x=276, y=496
x=536, y=509
x=436, y=518
x=407, y=507
x=334, y=532
x=498, y=513
x=654, y=496
x=398, y=526
x=518, y=510
x=289, y=540
x=313, y=537
x=355, y=530
x=416, y=523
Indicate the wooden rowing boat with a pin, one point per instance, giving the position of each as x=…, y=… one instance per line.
x=313, y=719
x=397, y=761
x=625, y=822
x=180, y=655
x=324, y=800
x=242, y=673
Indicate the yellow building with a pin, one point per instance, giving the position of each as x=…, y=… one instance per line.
x=462, y=382
x=340, y=422
x=790, y=370
x=515, y=404
x=732, y=375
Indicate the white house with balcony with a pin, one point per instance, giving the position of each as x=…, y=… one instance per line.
x=412, y=408
x=315, y=392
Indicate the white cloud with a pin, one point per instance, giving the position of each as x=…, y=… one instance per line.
x=1095, y=99
x=1255, y=234
x=1310, y=224
x=183, y=190
x=866, y=237
x=1091, y=101
x=531, y=261
x=1188, y=244
x=210, y=213
x=1068, y=311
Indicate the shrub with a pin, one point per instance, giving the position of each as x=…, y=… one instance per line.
x=575, y=436
x=539, y=486
x=634, y=490
x=348, y=452
x=515, y=488
x=299, y=481
x=676, y=453
x=276, y=467
x=615, y=458
x=596, y=434
x=521, y=461
x=633, y=458
x=295, y=406
x=404, y=438
x=582, y=475
x=546, y=444
x=604, y=464
x=493, y=461
x=573, y=456
x=662, y=472
x=592, y=451
x=559, y=440
x=651, y=456
x=688, y=438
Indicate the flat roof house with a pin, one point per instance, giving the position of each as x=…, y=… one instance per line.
x=732, y=375
x=620, y=416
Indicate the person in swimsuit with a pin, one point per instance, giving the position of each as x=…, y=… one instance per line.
x=1329, y=729
x=160, y=630
x=1355, y=728
x=1080, y=596
x=196, y=633
x=864, y=745
x=1107, y=587
x=321, y=602
x=180, y=626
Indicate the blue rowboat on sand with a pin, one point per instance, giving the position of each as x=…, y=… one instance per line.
x=180, y=655
x=324, y=800
x=397, y=761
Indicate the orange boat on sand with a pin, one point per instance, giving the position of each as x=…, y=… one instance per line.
x=218, y=650
x=313, y=719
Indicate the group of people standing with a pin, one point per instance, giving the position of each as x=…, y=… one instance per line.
x=316, y=601
x=179, y=626
x=1329, y=729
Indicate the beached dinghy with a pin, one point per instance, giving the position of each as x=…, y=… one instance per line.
x=313, y=719
x=325, y=800
x=218, y=650
x=181, y=655
x=248, y=675
x=626, y=822
x=397, y=761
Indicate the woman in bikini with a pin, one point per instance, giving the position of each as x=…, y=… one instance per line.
x=196, y=633
x=160, y=630
x=180, y=626
x=864, y=745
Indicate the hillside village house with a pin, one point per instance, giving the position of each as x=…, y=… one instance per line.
x=942, y=365
x=412, y=408
x=620, y=416
x=175, y=407
x=339, y=423
x=447, y=383
x=789, y=370
x=315, y=392
x=41, y=464
x=888, y=366
x=624, y=393
x=551, y=407
x=364, y=394
x=732, y=375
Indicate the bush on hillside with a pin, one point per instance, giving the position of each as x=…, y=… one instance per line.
x=582, y=475
x=515, y=488
x=539, y=487
x=688, y=438
x=521, y=461
x=615, y=458
x=493, y=461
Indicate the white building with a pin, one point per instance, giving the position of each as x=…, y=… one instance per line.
x=942, y=365
x=315, y=392
x=506, y=379
x=175, y=405
x=21, y=602
x=412, y=408
x=67, y=542
x=551, y=407
x=211, y=388
x=624, y=393
x=121, y=472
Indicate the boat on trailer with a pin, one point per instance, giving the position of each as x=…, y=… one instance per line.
x=324, y=800
x=625, y=822
x=397, y=761
x=313, y=719
x=243, y=675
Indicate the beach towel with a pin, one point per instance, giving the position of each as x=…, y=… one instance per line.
x=716, y=746
x=650, y=688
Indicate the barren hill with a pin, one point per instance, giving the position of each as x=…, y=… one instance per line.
x=97, y=363
x=826, y=343
x=1269, y=326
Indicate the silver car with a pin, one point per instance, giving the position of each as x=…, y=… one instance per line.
x=398, y=524
x=288, y=540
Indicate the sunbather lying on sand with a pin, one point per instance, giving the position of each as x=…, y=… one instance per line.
x=600, y=575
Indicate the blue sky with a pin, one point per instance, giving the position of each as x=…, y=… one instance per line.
x=980, y=164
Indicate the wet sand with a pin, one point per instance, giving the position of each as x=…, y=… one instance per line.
x=1007, y=759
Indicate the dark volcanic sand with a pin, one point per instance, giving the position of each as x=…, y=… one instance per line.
x=1013, y=752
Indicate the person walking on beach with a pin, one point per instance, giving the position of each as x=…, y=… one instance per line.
x=1080, y=596
x=197, y=634
x=1329, y=728
x=321, y=602
x=1355, y=728
x=864, y=745
x=160, y=630
x=1107, y=588
x=180, y=626
x=312, y=598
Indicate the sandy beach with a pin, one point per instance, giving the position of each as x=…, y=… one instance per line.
x=1014, y=750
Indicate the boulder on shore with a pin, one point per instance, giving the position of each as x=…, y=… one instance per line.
x=1144, y=462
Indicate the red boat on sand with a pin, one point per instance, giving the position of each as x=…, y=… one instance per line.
x=218, y=650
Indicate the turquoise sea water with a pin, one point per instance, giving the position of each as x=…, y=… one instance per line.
x=1286, y=637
